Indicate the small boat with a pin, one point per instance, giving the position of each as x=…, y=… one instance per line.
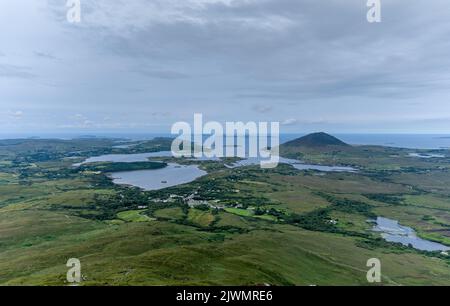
x=163, y=182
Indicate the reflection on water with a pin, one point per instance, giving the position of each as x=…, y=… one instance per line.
x=170, y=176
x=295, y=163
x=394, y=232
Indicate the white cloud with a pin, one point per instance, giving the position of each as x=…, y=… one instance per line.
x=290, y=121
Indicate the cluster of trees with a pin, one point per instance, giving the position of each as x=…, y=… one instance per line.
x=117, y=167
x=386, y=198
x=106, y=207
x=347, y=205
x=28, y=172
x=317, y=220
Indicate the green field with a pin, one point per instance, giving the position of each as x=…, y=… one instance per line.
x=246, y=226
x=133, y=216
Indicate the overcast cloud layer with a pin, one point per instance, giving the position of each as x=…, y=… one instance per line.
x=141, y=65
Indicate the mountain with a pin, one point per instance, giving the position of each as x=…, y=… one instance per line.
x=316, y=140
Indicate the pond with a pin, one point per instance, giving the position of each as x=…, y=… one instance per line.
x=172, y=175
x=392, y=231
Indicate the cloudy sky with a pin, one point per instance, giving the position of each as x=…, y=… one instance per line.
x=141, y=65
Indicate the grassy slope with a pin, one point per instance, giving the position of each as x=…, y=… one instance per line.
x=38, y=235
x=165, y=253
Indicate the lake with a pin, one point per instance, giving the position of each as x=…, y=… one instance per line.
x=175, y=174
x=392, y=231
x=297, y=164
x=141, y=157
x=172, y=175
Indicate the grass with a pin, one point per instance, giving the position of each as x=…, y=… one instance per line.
x=435, y=182
x=161, y=253
x=173, y=213
x=297, y=200
x=436, y=237
x=200, y=217
x=40, y=227
x=231, y=220
x=351, y=222
x=428, y=201
x=240, y=212
x=250, y=213
x=8, y=179
x=133, y=216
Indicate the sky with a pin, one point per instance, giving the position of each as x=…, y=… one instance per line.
x=142, y=65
